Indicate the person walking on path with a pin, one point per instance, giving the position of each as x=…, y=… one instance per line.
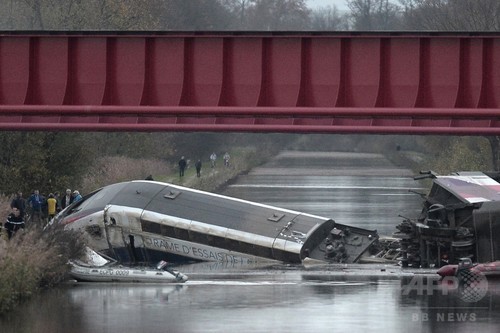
x=182, y=166
x=198, y=168
x=226, y=159
x=213, y=157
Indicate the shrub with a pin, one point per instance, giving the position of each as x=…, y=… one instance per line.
x=114, y=169
x=34, y=259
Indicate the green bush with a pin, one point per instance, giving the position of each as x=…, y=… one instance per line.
x=35, y=259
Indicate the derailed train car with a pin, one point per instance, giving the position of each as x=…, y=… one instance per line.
x=460, y=218
x=149, y=221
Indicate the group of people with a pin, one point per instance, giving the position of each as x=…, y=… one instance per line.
x=37, y=208
x=213, y=157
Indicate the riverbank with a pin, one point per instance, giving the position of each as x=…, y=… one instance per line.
x=217, y=178
x=34, y=259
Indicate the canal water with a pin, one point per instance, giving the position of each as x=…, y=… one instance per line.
x=364, y=190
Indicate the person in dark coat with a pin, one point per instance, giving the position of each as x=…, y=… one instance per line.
x=198, y=168
x=36, y=201
x=182, y=166
x=14, y=222
x=67, y=199
x=19, y=202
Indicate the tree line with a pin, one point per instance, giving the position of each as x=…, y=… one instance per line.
x=54, y=161
x=268, y=15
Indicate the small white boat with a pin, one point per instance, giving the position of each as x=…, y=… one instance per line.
x=84, y=273
x=98, y=269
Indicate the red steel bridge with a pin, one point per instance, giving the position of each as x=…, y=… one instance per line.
x=309, y=82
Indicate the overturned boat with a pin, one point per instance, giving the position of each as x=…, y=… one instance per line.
x=149, y=221
x=459, y=219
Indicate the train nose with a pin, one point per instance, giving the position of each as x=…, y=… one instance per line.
x=448, y=270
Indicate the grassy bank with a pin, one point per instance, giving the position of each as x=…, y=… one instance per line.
x=215, y=179
x=407, y=159
x=32, y=260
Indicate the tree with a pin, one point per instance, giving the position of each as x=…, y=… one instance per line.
x=374, y=14
x=451, y=15
x=329, y=18
x=278, y=15
x=195, y=15
x=238, y=10
x=48, y=161
x=80, y=15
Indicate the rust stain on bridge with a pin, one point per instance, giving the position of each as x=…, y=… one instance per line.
x=398, y=83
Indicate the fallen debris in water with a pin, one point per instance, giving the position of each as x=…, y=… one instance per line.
x=459, y=219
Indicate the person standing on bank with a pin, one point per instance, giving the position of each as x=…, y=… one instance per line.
x=14, y=222
x=19, y=203
x=67, y=199
x=198, y=168
x=182, y=166
x=35, y=202
x=76, y=196
x=51, y=206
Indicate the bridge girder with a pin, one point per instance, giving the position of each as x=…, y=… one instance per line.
x=378, y=83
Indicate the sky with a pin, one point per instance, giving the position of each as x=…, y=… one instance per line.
x=340, y=4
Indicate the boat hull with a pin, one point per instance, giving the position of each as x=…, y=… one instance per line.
x=124, y=274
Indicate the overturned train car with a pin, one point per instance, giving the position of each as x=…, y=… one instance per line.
x=148, y=221
x=460, y=218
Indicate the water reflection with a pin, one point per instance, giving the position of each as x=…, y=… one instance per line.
x=278, y=300
x=366, y=202
x=447, y=309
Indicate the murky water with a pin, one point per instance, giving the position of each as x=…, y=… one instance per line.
x=362, y=190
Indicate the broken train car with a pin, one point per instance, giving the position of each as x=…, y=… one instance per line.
x=147, y=221
x=460, y=218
